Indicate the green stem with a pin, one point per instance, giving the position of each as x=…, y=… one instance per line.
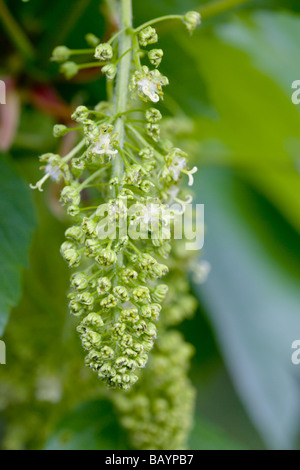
x=143, y=141
x=121, y=56
x=136, y=55
x=15, y=32
x=207, y=12
x=91, y=178
x=220, y=6
x=115, y=36
x=82, y=51
x=73, y=152
x=138, y=110
x=125, y=44
x=90, y=65
x=158, y=20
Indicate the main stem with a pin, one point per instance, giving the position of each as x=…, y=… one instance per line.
x=121, y=92
x=125, y=43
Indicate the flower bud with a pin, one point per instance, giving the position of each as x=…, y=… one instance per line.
x=140, y=327
x=73, y=210
x=86, y=298
x=109, y=302
x=147, y=186
x=159, y=293
x=155, y=56
x=80, y=114
x=69, y=69
x=133, y=175
x=93, y=319
x=146, y=262
x=75, y=233
x=89, y=226
x=60, y=54
x=153, y=115
x=147, y=36
x=106, y=371
x=104, y=52
x=77, y=166
x=147, y=153
x=141, y=293
x=119, y=329
x=126, y=341
x=121, y=293
x=93, y=356
x=59, y=130
x=92, y=40
x=110, y=71
x=121, y=361
x=70, y=195
x=130, y=315
x=142, y=360
x=138, y=347
x=107, y=352
x=104, y=285
x=151, y=311
x=70, y=254
x=106, y=257
x=92, y=247
x=148, y=345
x=151, y=330
x=191, y=20
x=160, y=270
x=130, y=352
x=79, y=281
x=76, y=308
x=153, y=130
x=90, y=339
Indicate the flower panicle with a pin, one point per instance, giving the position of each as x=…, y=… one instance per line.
x=119, y=239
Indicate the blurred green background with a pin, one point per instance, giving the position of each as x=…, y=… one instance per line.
x=230, y=86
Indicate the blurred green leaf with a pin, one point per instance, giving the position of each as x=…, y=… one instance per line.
x=256, y=123
x=219, y=405
x=205, y=436
x=253, y=302
x=35, y=134
x=16, y=226
x=271, y=41
x=92, y=426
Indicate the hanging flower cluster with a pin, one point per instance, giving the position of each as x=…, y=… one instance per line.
x=120, y=181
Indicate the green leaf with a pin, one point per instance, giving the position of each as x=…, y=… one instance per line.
x=92, y=426
x=271, y=42
x=16, y=226
x=206, y=436
x=248, y=67
x=35, y=134
x=252, y=298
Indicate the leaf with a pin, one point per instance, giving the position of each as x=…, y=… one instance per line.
x=16, y=226
x=270, y=41
x=206, y=436
x=35, y=134
x=252, y=298
x=248, y=68
x=92, y=426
